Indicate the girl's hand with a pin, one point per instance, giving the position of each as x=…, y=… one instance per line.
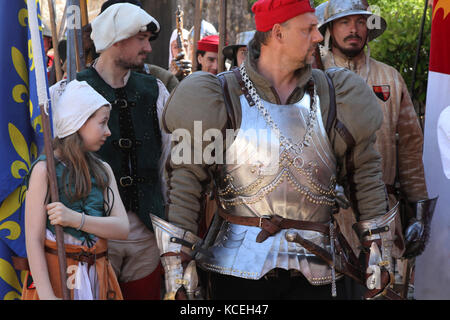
x=59, y=214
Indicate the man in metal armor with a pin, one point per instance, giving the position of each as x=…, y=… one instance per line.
x=275, y=136
x=348, y=26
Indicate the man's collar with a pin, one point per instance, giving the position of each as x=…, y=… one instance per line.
x=354, y=64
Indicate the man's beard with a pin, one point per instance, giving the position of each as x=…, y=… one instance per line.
x=308, y=60
x=126, y=64
x=350, y=52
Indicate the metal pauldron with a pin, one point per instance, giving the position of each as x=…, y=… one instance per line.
x=173, y=239
x=380, y=228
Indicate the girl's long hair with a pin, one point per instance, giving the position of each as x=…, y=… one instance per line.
x=80, y=166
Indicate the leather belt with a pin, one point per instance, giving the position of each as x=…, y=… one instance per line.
x=272, y=224
x=82, y=256
x=21, y=263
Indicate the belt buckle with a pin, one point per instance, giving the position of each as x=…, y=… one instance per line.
x=126, y=184
x=84, y=254
x=266, y=217
x=125, y=143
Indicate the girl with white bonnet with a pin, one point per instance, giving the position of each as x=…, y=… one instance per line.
x=90, y=208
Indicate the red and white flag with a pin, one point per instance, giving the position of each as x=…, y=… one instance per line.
x=432, y=275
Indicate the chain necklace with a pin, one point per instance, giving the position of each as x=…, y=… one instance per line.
x=284, y=141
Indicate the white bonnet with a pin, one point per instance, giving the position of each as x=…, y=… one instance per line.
x=72, y=105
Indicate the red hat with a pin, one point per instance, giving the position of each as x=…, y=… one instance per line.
x=269, y=12
x=209, y=43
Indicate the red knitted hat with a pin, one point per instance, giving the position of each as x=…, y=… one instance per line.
x=269, y=12
x=209, y=43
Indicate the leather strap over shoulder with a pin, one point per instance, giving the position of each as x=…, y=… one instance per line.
x=231, y=119
x=344, y=133
x=332, y=108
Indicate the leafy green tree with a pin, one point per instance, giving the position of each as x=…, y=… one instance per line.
x=398, y=45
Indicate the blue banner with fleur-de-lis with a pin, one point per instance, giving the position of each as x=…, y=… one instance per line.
x=21, y=137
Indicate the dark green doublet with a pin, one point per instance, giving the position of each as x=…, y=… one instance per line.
x=134, y=148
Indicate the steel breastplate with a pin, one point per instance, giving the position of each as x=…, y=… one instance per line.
x=262, y=177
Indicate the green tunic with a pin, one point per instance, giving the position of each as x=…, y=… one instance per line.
x=92, y=205
x=134, y=148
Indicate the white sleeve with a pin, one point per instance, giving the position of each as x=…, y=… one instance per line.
x=443, y=137
x=165, y=137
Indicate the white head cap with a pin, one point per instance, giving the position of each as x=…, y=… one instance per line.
x=118, y=22
x=72, y=107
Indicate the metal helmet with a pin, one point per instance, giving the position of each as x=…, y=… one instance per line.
x=320, y=13
x=46, y=31
x=242, y=40
x=336, y=9
x=206, y=29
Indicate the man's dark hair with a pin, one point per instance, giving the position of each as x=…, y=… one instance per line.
x=261, y=38
x=258, y=39
x=150, y=27
x=202, y=53
x=109, y=3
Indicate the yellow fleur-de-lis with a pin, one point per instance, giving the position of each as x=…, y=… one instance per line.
x=14, y=229
x=19, y=143
x=36, y=121
x=23, y=15
x=8, y=207
x=12, y=203
x=21, y=68
x=8, y=274
x=19, y=64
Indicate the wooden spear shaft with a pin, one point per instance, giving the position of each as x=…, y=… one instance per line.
x=77, y=51
x=84, y=12
x=41, y=86
x=222, y=35
x=57, y=60
x=48, y=148
x=197, y=27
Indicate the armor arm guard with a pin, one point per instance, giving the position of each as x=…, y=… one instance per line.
x=377, y=238
x=175, y=244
